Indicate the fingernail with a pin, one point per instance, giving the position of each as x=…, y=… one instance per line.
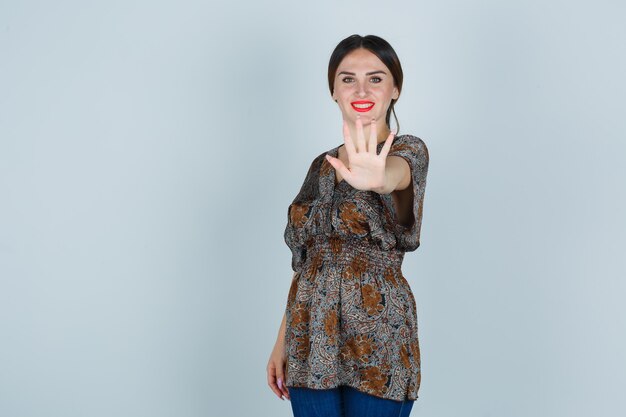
x=280, y=383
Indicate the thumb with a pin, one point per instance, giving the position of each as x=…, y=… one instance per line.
x=336, y=163
x=280, y=380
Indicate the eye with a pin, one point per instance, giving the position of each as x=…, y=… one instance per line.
x=349, y=79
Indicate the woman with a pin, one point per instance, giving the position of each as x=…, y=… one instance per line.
x=348, y=342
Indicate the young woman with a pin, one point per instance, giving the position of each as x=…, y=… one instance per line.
x=348, y=343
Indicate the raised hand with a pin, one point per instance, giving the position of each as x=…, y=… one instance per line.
x=366, y=168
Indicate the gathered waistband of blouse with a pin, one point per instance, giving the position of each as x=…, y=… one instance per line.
x=344, y=250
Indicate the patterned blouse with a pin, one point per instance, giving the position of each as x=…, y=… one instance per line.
x=351, y=316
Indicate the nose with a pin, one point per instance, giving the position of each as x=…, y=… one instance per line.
x=362, y=90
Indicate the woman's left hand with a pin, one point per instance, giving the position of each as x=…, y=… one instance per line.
x=366, y=168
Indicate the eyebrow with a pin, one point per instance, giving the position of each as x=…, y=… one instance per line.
x=367, y=73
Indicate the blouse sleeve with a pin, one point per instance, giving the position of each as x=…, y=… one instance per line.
x=414, y=150
x=293, y=241
x=297, y=211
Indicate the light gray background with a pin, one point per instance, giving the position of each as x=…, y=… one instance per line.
x=149, y=151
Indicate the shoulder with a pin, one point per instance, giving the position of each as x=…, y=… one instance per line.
x=411, y=144
x=411, y=140
x=316, y=163
x=320, y=164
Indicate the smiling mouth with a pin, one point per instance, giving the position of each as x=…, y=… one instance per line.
x=362, y=106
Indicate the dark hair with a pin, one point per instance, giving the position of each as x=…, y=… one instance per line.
x=379, y=47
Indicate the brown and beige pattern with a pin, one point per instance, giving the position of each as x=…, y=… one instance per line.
x=351, y=314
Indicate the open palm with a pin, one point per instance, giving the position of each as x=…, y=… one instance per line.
x=366, y=169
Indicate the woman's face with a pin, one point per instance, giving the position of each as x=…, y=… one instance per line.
x=362, y=76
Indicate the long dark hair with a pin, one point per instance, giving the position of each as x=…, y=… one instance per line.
x=379, y=47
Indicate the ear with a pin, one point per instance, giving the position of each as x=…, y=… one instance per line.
x=395, y=94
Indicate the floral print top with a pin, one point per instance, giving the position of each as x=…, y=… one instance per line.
x=351, y=316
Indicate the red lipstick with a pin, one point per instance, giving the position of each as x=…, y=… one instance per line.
x=362, y=104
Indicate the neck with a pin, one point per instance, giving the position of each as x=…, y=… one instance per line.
x=381, y=135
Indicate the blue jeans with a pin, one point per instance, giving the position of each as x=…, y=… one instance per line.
x=344, y=401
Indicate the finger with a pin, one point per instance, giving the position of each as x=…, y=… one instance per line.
x=276, y=390
x=282, y=386
x=349, y=143
x=338, y=165
x=360, y=136
x=271, y=381
x=280, y=373
x=373, y=137
x=385, y=149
